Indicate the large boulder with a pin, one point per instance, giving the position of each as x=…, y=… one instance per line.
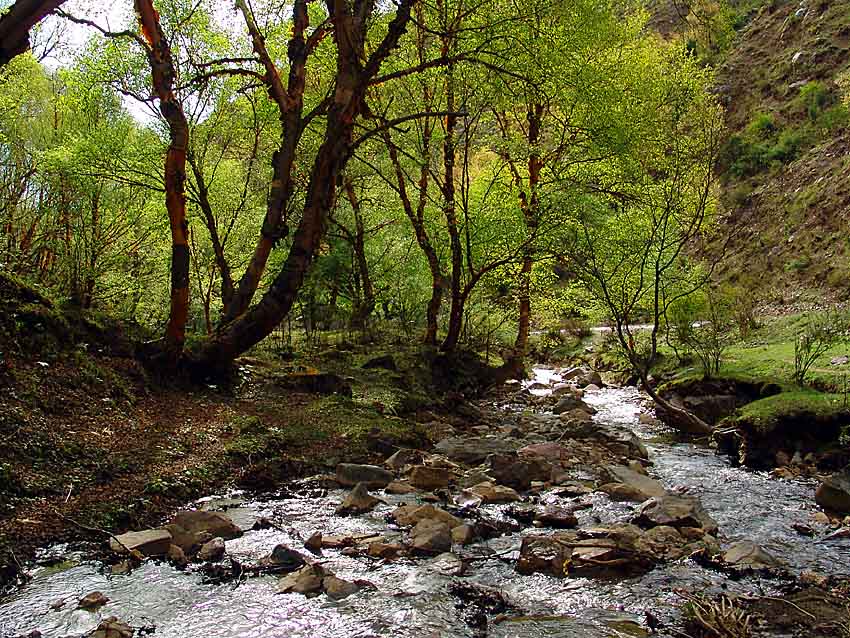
x=675, y=511
x=633, y=486
x=473, y=451
x=372, y=476
x=834, y=493
x=149, y=542
x=431, y=537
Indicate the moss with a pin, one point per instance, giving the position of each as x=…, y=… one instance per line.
x=808, y=406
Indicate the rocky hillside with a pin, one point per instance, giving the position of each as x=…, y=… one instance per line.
x=784, y=78
x=786, y=189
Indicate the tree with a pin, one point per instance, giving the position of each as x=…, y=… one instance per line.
x=638, y=219
x=355, y=73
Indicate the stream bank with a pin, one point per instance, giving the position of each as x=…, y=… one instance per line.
x=481, y=588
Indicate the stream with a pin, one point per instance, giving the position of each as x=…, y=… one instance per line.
x=412, y=597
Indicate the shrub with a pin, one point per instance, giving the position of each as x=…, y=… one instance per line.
x=813, y=99
x=819, y=333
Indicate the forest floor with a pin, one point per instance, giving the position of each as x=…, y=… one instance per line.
x=91, y=442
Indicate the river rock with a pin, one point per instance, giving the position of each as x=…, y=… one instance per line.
x=491, y=493
x=834, y=493
x=429, y=478
x=549, y=451
x=212, y=550
x=286, y=559
x=149, y=542
x=387, y=551
x=314, y=543
x=557, y=517
x=634, y=486
x=518, y=472
x=675, y=511
x=112, y=628
x=307, y=581
x=448, y=564
x=545, y=554
x=402, y=458
x=358, y=501
x=372, y=476
x=177, y=556
x=337, y=588
x=747, y=554
x=188, y=526
x=92, y=601
x=463, y=534
x=569, y=402
x=473, y=451
x=409, y=515
x=591, y=378
x=400, y=488
x=618, y=440
x=431, y=537
x=578, y=415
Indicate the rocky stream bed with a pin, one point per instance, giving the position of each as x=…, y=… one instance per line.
x=565, y=512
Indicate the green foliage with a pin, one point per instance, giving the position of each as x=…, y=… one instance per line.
x=763, y=145
x=819, y=334
x=813, y=99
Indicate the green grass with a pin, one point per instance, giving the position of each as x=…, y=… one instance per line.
x=767, y=355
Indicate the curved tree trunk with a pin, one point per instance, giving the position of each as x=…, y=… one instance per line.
x=290, y=103
x=352, y=82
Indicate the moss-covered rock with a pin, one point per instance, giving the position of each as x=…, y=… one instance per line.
x=796, y=422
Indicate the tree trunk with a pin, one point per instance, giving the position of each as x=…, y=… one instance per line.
x=290, y=103
x=366, y=304
x=352, y=81
x=530, y=205
x=163, y=74
x=450, y=211
x=215, y=238
x=417, y=220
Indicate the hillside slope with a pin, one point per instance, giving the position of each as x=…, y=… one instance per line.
x=786, y=184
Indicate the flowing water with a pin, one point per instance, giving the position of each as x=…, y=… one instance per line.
x=412, y=598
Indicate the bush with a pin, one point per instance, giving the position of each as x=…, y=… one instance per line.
x=818, y=334
x=813, y=99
